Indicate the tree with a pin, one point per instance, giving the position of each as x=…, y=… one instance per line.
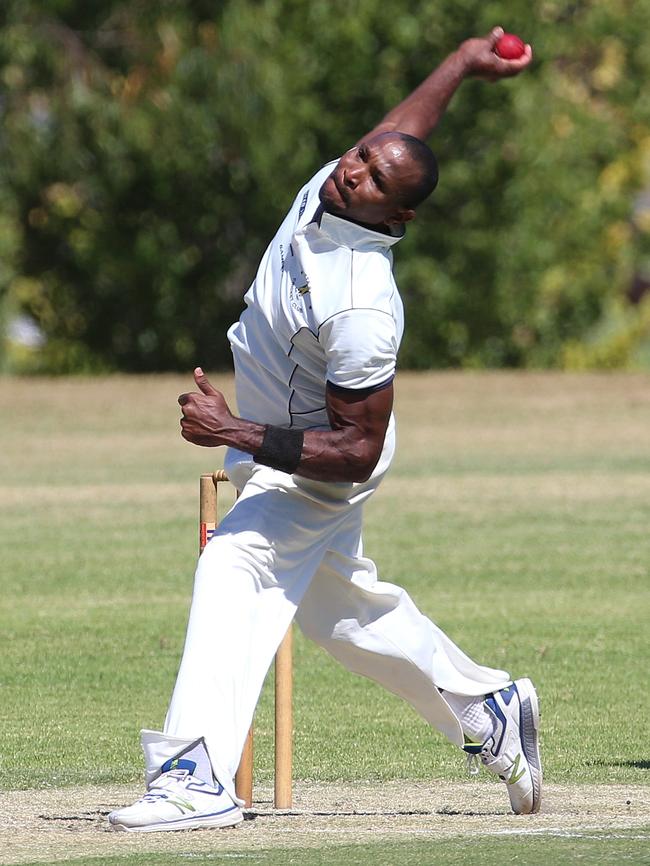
x=149, y=151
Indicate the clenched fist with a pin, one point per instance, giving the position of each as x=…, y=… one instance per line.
x=206, y=417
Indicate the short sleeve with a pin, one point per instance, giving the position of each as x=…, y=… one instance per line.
x=360, y=348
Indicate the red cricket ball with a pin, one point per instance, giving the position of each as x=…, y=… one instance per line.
x=510, y=47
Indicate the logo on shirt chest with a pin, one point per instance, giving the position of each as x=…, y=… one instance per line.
x=298, y=280
x=303, y=204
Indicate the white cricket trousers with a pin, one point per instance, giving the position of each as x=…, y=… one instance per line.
x=291, y=548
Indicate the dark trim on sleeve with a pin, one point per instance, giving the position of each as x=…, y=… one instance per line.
x=360, y=392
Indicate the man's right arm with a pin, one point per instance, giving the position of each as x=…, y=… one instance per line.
x=421, y=111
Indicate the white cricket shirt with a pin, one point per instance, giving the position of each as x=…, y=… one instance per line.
x=323, y=307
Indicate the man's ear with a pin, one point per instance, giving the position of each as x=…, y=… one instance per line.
x=401, y=216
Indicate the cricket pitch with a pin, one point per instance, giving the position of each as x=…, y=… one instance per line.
x=56, y=825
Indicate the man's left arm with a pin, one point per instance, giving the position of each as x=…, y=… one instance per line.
x=421, y=111
x=347, y=452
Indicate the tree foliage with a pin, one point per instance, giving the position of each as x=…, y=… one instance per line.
x=149, y=151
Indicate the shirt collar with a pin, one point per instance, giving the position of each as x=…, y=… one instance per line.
x=348, y=234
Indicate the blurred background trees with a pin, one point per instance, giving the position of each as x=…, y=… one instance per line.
x=149, y=150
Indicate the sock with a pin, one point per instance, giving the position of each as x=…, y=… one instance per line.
x=195, y=760
x=474, y=718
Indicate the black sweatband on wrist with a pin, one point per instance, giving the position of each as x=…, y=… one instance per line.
x=281, y=448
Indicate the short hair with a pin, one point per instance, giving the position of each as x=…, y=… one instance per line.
x=424, y=157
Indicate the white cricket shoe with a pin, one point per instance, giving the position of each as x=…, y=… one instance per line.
x=512, y=752
x=177, y=801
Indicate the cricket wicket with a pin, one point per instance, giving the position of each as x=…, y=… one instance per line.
x=208, y=520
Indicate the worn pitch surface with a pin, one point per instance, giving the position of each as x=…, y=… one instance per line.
x=61, y=824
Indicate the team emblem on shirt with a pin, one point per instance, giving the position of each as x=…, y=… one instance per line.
x=299, y=281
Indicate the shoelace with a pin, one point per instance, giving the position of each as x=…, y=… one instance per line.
x=152, y=796
x=157, y=789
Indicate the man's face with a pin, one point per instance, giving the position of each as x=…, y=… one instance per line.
x=369, y=182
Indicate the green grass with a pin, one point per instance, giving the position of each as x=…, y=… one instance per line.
x=517, y=516
x=592, y=849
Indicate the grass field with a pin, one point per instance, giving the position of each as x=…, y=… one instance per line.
x=517, y=514
x=413, y=853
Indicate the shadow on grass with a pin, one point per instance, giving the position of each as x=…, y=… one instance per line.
x=638, y=765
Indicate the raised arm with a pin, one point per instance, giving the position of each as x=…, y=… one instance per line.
x=421, y=111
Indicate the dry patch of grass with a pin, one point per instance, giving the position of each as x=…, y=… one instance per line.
x=467, y=490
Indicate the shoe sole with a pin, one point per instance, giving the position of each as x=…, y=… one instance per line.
x=230, y=819
x=529, y=733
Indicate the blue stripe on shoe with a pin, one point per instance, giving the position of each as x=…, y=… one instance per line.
x=200, y=815
x=522, y=731
x=498, y=712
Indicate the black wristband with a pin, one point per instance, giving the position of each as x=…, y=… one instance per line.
x=281, y=448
